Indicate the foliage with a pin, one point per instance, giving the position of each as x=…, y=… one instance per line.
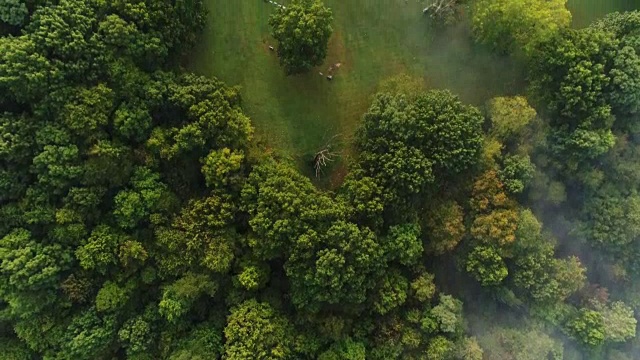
x=403, y=143
x=13, y=12
x=586, y=80
x=469, y=349
x=612, y=220
x=423, y=287
x=495, y=218
x=255, y=330
x=509, y=116
x=448, y=314
x=446, y=227
x=141, y=219
x=486, y=265
x=392, y=292
x=516, y=173
x=220, y=167
x=587, y=326
x=344, y=350
x=177, y=298
x=282, y=205
x=336, y=267
x=619, y=322
x=203, y=342
x=527, y=343
x=510, y=25
x=302, y=30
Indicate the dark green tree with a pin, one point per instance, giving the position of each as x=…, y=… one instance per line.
x=302, y=30
x=404, y=143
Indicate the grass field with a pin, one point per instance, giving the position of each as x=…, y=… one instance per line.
x=585, y=11
x=373, y=39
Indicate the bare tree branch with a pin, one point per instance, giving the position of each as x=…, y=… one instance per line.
x=440, y=8
x=324, y=155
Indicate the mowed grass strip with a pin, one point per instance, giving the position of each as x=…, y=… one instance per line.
x=373, y=40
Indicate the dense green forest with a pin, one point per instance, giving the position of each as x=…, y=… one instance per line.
x=141, y=218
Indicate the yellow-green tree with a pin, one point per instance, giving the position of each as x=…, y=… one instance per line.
x=509, y=25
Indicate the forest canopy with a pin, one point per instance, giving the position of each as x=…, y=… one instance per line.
x=142, y=218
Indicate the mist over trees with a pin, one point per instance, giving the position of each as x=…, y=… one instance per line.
x=141, y=219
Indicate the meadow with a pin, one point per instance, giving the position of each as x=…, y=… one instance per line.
x=373, y=40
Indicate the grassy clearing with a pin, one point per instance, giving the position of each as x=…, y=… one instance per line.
x=373, y=39
x=585, y=11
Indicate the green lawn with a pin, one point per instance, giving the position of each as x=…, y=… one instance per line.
x=585, y=11
x=373, y=39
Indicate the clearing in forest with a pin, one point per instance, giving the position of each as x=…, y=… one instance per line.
x=373, y=40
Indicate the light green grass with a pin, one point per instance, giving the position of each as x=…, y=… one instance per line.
x=373, y=39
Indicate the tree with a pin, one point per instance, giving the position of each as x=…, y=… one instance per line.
x=526, y=342
x=88, y=336
x=509, y=116
x=587, y=326
x=58, y=166
x=111, y=297
x=73, y=51
x=14, y=349
x=449, y=131
x=391, y=292
x=495, y=217
x=221, y=167
x=624, y=89
x=25, y=74
x=423, y=288
x=147, y=195
x=509, y=25
x=403, y=143
x=448, y=315
x=13, y=12
x=486, y=265
x=30, y=272
x=612, y=220
x=445, y=227
x=100, y=251
x=302, y=30
x=537, y=275
x=439, y=348
x=364, y=199
x=253, y=275
x=137, y=333
x=201, y=235
x=469, y=349
x=619, y=322
x=516, y=173
x=338, y=266
x=255, y=330
x=346, y=349
x=178, y=297
x=570, y=274
x=212, y=114
x=582, y=77
x=403, y=244
x=203, y=342
x=87, y=112
x=282, y=204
